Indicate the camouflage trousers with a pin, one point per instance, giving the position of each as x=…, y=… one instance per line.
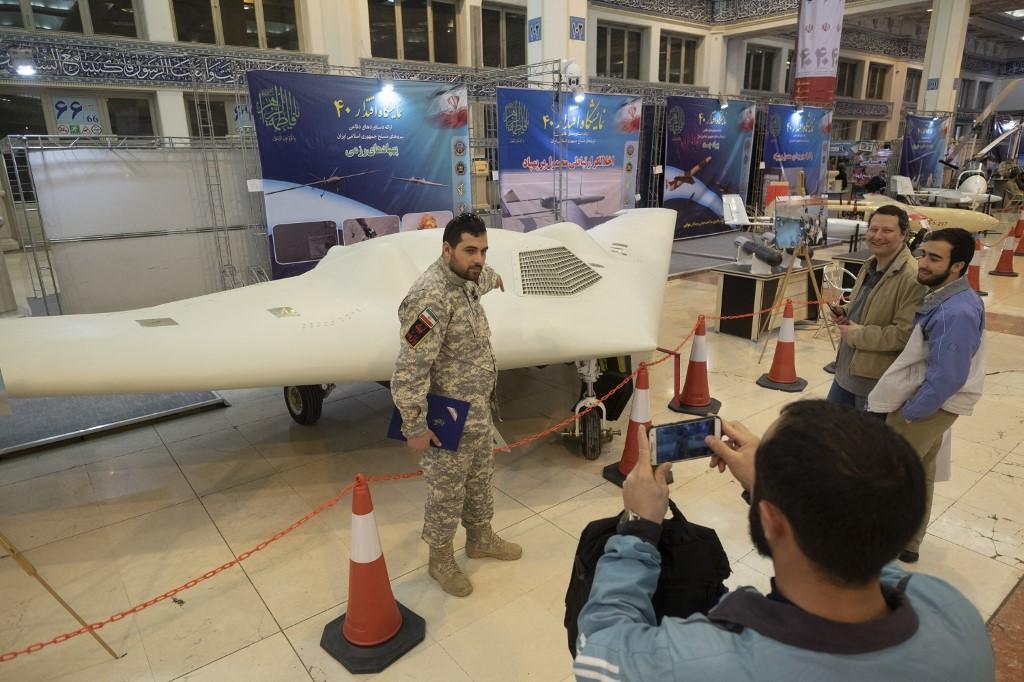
x=458, y=487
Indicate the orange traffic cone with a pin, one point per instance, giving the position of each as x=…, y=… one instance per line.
x=696, y=397
x=782, y=376
x=1004, y=268
x=1018, y=229
x=377, y=630
x=639, y=422
x=1020, y=245
x=974, y=270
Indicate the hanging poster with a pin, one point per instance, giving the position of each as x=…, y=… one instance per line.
x=817, y=51
x=707, y=155
x=924, y=146
x=591, y=146
x=347, y=159
x=76, y=115
x=797, y=142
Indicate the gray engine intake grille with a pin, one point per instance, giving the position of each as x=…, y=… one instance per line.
x=554, y=272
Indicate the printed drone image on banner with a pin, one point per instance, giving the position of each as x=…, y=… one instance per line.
x=797, y=139
x=592, y=139
x=924, y=148
x=707, y=155
x=347, y=159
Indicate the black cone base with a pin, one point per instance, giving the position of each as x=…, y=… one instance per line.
x=711, y=408
x=612, y=474
x=373, y=659
x=800, y=384
x=981, y=293
x=830, y=367
x=1003, y=274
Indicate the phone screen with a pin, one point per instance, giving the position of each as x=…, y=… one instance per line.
x=683, y=440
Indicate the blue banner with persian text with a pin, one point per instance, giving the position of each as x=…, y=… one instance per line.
x=796, y=145
x=924, y=146
x=707, y=155
x=593, y=140
x=347, y=159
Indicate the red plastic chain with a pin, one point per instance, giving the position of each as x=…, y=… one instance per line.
x=324, y=506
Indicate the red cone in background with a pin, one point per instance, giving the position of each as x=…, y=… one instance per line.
x=974, y=269
x=1004, y=268
x=782, y=376
x=696, y=396
x=639, y=422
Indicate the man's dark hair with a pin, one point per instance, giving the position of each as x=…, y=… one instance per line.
x=891, y=209
x=852, y=489
x=961, y=245
x=464, y=222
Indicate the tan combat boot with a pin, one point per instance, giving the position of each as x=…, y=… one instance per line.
x=445, y=571
x=484, y=542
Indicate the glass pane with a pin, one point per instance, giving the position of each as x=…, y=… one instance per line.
x=214, y=119
x=445, y=45
x=21, y=115
x=633, y=55
x=690, y=61
x=10, y=14
x=130, y=116
x=662, y=58
x=617, y=69
x=748, y=72
x=491, y=38
x=515, y=39
x=280, y=24
x=57, y=16
x=602, y=51
x=675, y=60
x=194, y=21
x=114, y=17
x=383, y=30
x=238, y=19
x=414, y=30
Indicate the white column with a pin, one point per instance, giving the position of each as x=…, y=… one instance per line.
x=947, y=31
x=340, y=30
x=779, y=83
x=157, y=21
x=554, y=42
x=653, y=54
x=735, y=64
x=711, y=63
x=897, y=86
x=170, y=111
x=470, y=40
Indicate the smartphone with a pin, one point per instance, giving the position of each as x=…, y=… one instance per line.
x=683, y=440
x=837, y=310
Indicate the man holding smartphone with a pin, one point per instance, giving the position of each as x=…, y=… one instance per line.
x=875, y=325
x=838, y=608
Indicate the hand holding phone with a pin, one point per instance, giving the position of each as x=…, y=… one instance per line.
x=683, y=440
x=837, y=313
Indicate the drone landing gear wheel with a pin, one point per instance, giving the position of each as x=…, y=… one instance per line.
x=590, y=434
x=304, y=403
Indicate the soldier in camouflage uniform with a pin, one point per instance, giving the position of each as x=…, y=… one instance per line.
x=446, y=350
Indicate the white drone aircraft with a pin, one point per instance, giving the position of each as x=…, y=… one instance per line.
x=569, y=295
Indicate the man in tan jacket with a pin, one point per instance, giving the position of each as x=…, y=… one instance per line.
x=877, y=322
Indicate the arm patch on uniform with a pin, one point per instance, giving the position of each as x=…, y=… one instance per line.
x=421, y=327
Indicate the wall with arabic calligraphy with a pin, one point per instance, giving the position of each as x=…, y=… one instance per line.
x=924, y=146
x=344, y=160
x=600, y=153
x=707, y=155
x=796, y=141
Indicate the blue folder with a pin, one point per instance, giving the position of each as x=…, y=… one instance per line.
x=446, y=417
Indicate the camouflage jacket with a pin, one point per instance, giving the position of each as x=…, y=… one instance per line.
x=445, y=348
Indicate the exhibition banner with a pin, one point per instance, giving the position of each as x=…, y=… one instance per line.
x=707, y=155
x=924, y=146
x=817, y=50
x=594, y=143
x=798, y=141
x=347, y=159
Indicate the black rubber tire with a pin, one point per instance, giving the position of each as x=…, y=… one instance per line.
x=304, y=403
x=590, y=434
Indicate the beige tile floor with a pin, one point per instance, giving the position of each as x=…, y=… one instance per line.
x=118, y=519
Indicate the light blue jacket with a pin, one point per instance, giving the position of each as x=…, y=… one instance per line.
x=932, y=633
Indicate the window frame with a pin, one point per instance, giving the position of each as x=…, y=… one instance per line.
x=849, y=79
x=431, y=59
x=666, y=63
x=884, y=70
x=875, y=126
x=966, y=94
x=261, y=27
x=981, y=102
x=627, y=29
x=848, y=125
x=28, y=21
x=919, y=76
x=504, y=11
x=759, y=52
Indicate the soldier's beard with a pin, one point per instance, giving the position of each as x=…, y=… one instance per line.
x=469, y=272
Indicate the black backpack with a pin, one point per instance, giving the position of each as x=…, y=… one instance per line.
x=693, y=566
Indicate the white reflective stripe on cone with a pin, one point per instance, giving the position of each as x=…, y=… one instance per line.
x=365, y=541
x=699, y=350
x=1008, y=243
x=976, y=259
x=641, y=410
x=787, y=332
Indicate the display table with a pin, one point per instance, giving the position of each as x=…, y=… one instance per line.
x=852, y=262
x=741, y=293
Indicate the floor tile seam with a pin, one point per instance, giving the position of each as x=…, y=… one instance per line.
x=450, y=655
x=1009, y=595
x=230, y=653
x=1018, y=570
